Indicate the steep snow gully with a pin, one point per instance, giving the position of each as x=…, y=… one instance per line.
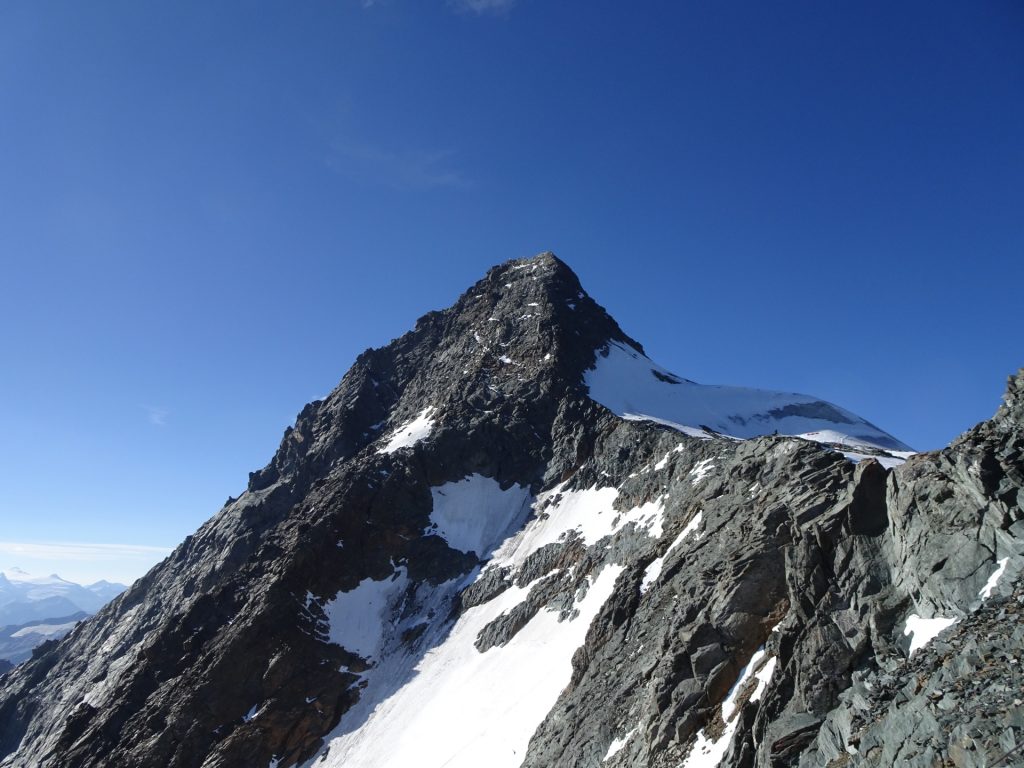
x=509, y=538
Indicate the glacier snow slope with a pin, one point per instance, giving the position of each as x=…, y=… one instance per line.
x=633, y=386
x=456, y=706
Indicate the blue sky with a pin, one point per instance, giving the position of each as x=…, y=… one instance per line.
x=208, y=209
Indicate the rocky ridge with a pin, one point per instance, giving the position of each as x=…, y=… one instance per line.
x=735, y=600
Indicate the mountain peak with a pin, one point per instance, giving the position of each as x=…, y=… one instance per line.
x=542, y=287
x=526, y=328
x=544, y=266
x=523, y=339
x=510, y=538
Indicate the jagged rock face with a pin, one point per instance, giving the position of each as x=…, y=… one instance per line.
x=460, y=557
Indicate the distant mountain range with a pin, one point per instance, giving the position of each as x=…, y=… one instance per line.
x=38, y=608
x=18, y=640
x=25, y=598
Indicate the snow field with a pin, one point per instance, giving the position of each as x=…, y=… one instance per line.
x=475, y=515
x=46, y=630
x=358, y=618
x=453, y=706
x=461, y=708
x=634, y=387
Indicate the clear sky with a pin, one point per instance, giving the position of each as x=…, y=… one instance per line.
x=208, y=209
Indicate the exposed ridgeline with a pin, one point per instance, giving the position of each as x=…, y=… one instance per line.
x=508, y=538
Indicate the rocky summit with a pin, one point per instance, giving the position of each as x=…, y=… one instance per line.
x=509, y=538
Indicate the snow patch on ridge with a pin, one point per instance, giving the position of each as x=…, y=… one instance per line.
x=651, y=573
x=886, y=461
x=411, y=432
x=653, y=570
x=993, y=580
x=925, y=630
x=634, y=387
x=664, y=462
x=707, y=751
x=701, y=470
x=616, y=746
x=590, y=513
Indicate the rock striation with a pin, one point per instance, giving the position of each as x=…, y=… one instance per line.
x=624, y=589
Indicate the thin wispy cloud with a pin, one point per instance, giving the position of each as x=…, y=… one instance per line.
x=400, y=169
x=62, y=550
x=481, y=7
x=156, y=415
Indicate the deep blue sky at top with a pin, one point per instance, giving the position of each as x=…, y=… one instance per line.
x=208, y=209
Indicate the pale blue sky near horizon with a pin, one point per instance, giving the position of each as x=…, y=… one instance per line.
x=208, y=210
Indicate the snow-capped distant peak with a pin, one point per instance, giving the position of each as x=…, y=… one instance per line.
x=632, y=386
x=24, y=597
x=16, y=574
